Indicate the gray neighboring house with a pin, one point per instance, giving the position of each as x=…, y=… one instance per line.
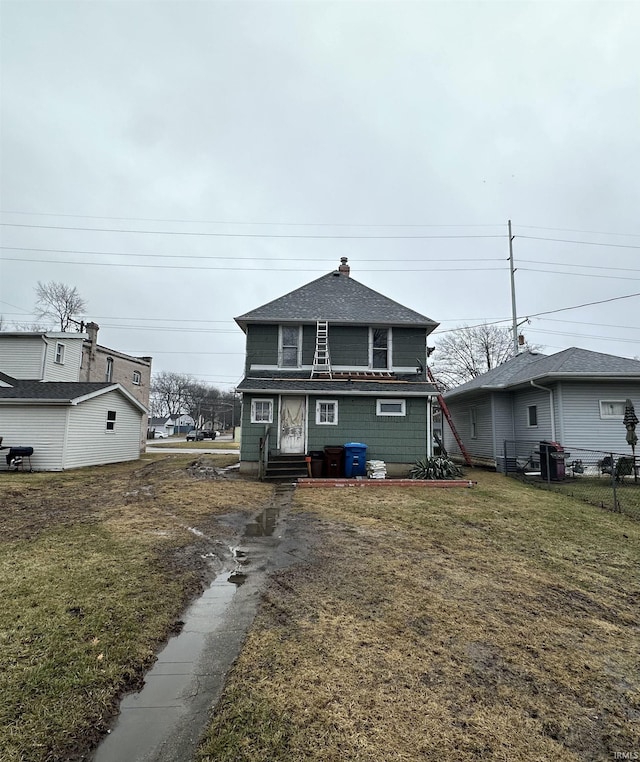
x=575, y=397
x=69, y=424
x=335, y=362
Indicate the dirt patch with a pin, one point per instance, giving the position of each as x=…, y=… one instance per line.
x=96, y=568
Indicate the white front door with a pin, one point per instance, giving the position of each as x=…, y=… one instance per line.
x=292, y=424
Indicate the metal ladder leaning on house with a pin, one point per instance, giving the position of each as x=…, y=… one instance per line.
x=321, y=361
x=447, y=415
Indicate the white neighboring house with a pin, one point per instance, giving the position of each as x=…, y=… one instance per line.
x=69, y=423
x=44, y=405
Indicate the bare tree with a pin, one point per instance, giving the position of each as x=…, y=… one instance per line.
x=469, y=351
x=169, y=393
x=59, y=302
x=200, y=402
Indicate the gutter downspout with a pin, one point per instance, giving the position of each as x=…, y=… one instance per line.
x=553, y=417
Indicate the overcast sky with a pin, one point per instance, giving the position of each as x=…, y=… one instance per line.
x=251, y=145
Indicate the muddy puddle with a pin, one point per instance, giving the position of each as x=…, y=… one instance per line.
x=165, y=719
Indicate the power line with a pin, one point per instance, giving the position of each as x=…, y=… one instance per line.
x=575, y=264
x=234, y=259
x=265, y=224
x=585, y=243
x=240, y=235
x=578, y=275
x=584, y=322
x=584, y=336
x=586, y=304
x=573, y=230
x=242, y=269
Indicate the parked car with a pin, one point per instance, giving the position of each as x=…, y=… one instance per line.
x=195, y=436
x=209, y=434
x=160, y=435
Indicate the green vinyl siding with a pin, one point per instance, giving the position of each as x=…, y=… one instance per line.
x=252, y=432
x=308, y=344
x=409, y=346
x=262, y=345
x=395, y=439
x=349, y=346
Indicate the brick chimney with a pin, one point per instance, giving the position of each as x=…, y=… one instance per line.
x=92, y=330
x=344, y=268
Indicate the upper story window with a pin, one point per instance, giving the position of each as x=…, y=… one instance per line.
x=290, y=349
x=59, y=358
x=612, y=409
x=108, y=376
x=111, y=420
x=379, y=347
x=137, y=378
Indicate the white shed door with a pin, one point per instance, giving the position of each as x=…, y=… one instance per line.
x=292, y=419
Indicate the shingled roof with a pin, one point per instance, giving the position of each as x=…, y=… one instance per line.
x=337, y=298
x=338, y=387
x=533, y=366
x=57, y=392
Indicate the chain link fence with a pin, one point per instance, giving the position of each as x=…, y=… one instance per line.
x=607, y=479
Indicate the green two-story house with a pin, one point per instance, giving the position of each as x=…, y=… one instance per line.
x=335, y=362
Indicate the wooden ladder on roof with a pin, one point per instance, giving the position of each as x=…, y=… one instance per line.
x=447, y=415
x=321, y=360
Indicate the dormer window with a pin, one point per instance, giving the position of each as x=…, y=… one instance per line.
x=379, y=347
x=290, y=346
x=59, y=358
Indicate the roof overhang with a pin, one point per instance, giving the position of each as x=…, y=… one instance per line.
x=339, y=388
x=546, y=378
x=74, y=400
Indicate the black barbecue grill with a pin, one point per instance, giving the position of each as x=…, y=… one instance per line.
x=16, y=456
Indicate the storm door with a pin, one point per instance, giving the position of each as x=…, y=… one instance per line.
x=292, y=424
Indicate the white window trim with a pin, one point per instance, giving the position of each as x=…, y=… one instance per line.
x=281, y=348
x=137, y=377
x=115, y=418
x=253, y=409
x=59, y=356
x=108, y=374
x=607, y=416
x=529, y=424
x=389, y=347
x=387, y=400
x=326, y=402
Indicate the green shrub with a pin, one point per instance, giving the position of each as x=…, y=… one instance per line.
x=435, y=468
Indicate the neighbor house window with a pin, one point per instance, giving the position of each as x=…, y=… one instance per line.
x=612, y=409
x=327, y=412
x=532, y=415
x=391, y=407
x=473, y=422
x=262, y=411
x=379, y=347
x=59, y=354
x=111, y=420
x=136, y=377
x=290, y=346
x=108, y=376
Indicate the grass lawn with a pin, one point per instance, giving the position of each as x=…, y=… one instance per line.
x=96, y=566
x=206, y=444
x=499, y=623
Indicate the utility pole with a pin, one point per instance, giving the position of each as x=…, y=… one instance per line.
x=514, y=315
